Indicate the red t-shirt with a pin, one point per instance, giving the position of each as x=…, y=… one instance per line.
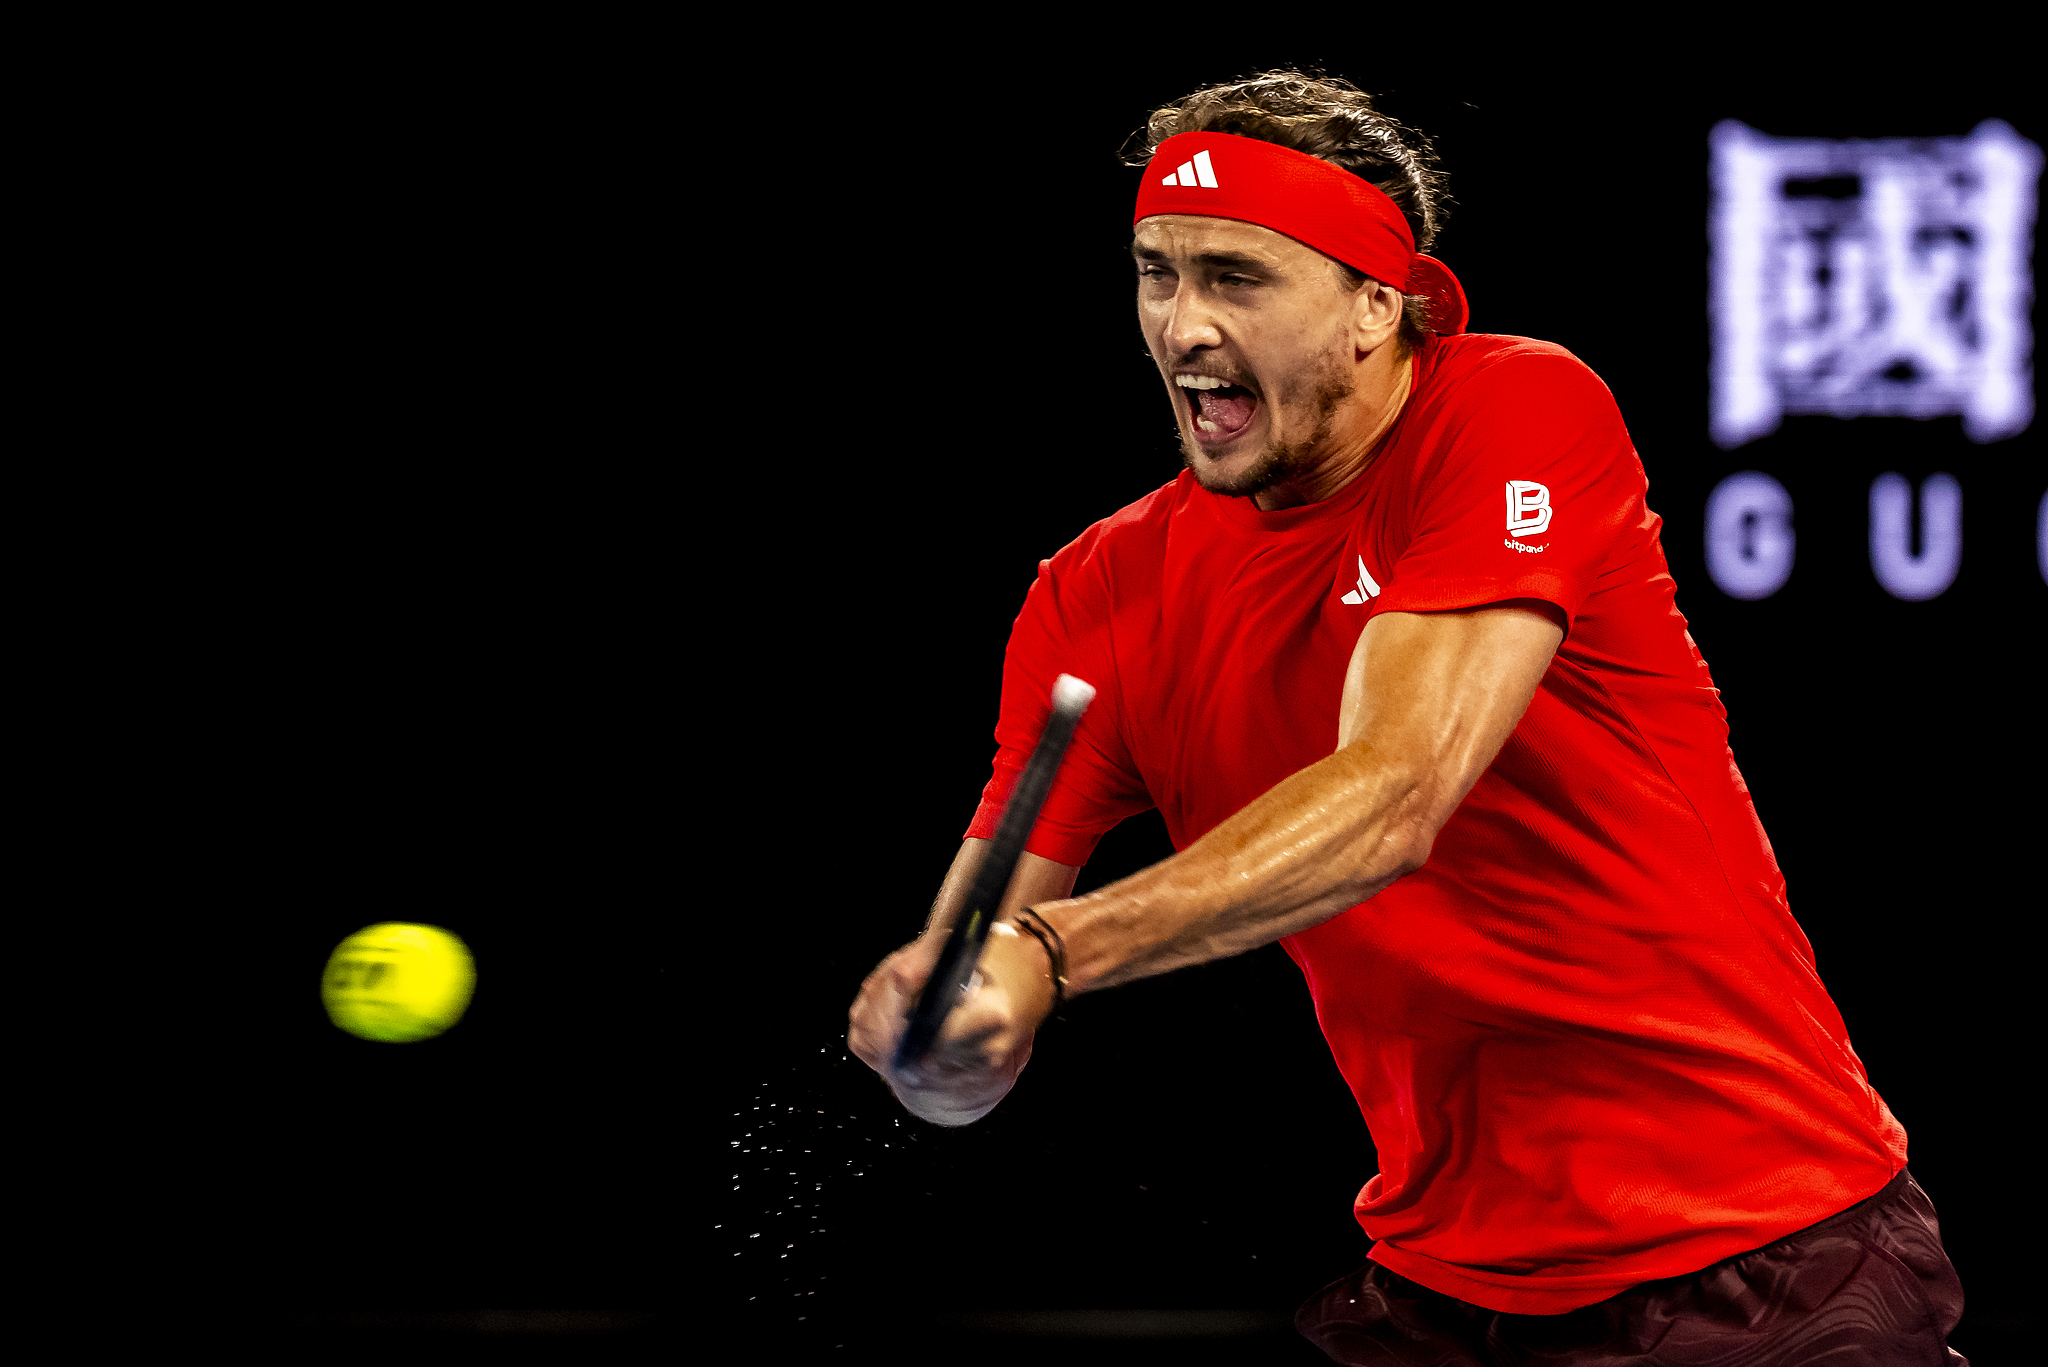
x=1587, y=1035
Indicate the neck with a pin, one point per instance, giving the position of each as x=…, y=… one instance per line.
x=1382, y=379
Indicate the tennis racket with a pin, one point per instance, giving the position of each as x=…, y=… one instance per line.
x=949, y=979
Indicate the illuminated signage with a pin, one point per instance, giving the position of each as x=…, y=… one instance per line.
x=1926, y=573
x=1872, y=277
x=1749, y=535
x=1866, y=277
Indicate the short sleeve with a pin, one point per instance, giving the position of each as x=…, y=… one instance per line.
x=1063, y=629
x=1532, y=488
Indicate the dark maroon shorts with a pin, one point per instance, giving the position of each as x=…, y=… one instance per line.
x=1871, y=1285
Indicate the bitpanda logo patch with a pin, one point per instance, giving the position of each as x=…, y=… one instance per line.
x=1529, y=514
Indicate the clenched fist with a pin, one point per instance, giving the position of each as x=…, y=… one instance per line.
x=986, y=1040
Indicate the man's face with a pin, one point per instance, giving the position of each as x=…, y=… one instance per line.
x=1252, y=332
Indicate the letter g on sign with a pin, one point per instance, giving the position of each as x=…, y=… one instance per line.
x=1749, y=535
x=1528, y=507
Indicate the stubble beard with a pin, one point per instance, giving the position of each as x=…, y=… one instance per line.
x=1280, y=462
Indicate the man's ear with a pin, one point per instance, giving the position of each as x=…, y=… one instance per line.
x=1375, y=316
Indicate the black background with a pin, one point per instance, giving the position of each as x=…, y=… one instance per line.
x=635, y=607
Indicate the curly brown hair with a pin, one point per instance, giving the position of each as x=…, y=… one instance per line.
x=1331, y=119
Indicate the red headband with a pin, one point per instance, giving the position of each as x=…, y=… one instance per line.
x=1222, y=175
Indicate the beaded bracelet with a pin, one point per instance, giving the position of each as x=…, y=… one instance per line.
x=1055, y=952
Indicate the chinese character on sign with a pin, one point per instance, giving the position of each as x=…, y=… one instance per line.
x=1883, y=276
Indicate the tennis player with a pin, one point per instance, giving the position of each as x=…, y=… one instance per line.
x=1397, y=658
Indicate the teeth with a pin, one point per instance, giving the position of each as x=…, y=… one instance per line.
x=1199, y=382
x=1206, y=425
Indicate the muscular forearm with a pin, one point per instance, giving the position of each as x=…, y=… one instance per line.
x=1317, y=843
x=1426, y=708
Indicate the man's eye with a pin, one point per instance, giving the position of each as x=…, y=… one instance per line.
x=1239, y=280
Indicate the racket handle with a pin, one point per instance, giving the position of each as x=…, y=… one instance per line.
x=962, y=951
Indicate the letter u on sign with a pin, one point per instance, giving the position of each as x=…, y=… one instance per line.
x=1916, y=578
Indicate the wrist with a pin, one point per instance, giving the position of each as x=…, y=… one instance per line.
x=1026, y=922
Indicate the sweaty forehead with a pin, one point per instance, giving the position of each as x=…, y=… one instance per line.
x=1187, y=236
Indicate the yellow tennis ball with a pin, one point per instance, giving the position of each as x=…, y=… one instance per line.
x=398, y=982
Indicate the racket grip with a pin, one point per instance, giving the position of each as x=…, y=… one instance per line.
x=950, y=976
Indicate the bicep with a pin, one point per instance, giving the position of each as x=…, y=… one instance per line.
x=1440, y=692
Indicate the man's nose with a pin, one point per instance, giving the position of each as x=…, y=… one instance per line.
x=1191, y=324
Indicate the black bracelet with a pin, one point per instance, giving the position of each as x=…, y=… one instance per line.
x=1055, y=952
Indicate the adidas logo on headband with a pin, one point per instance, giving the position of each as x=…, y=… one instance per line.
x=1195, y=172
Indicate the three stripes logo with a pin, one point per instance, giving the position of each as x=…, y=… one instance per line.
x=1366, y=590
x=1195, y=172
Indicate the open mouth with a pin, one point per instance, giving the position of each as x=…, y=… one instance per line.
x=1220, y=409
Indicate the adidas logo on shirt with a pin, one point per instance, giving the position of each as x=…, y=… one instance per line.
x=1366, y=588
x=1196, y=172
